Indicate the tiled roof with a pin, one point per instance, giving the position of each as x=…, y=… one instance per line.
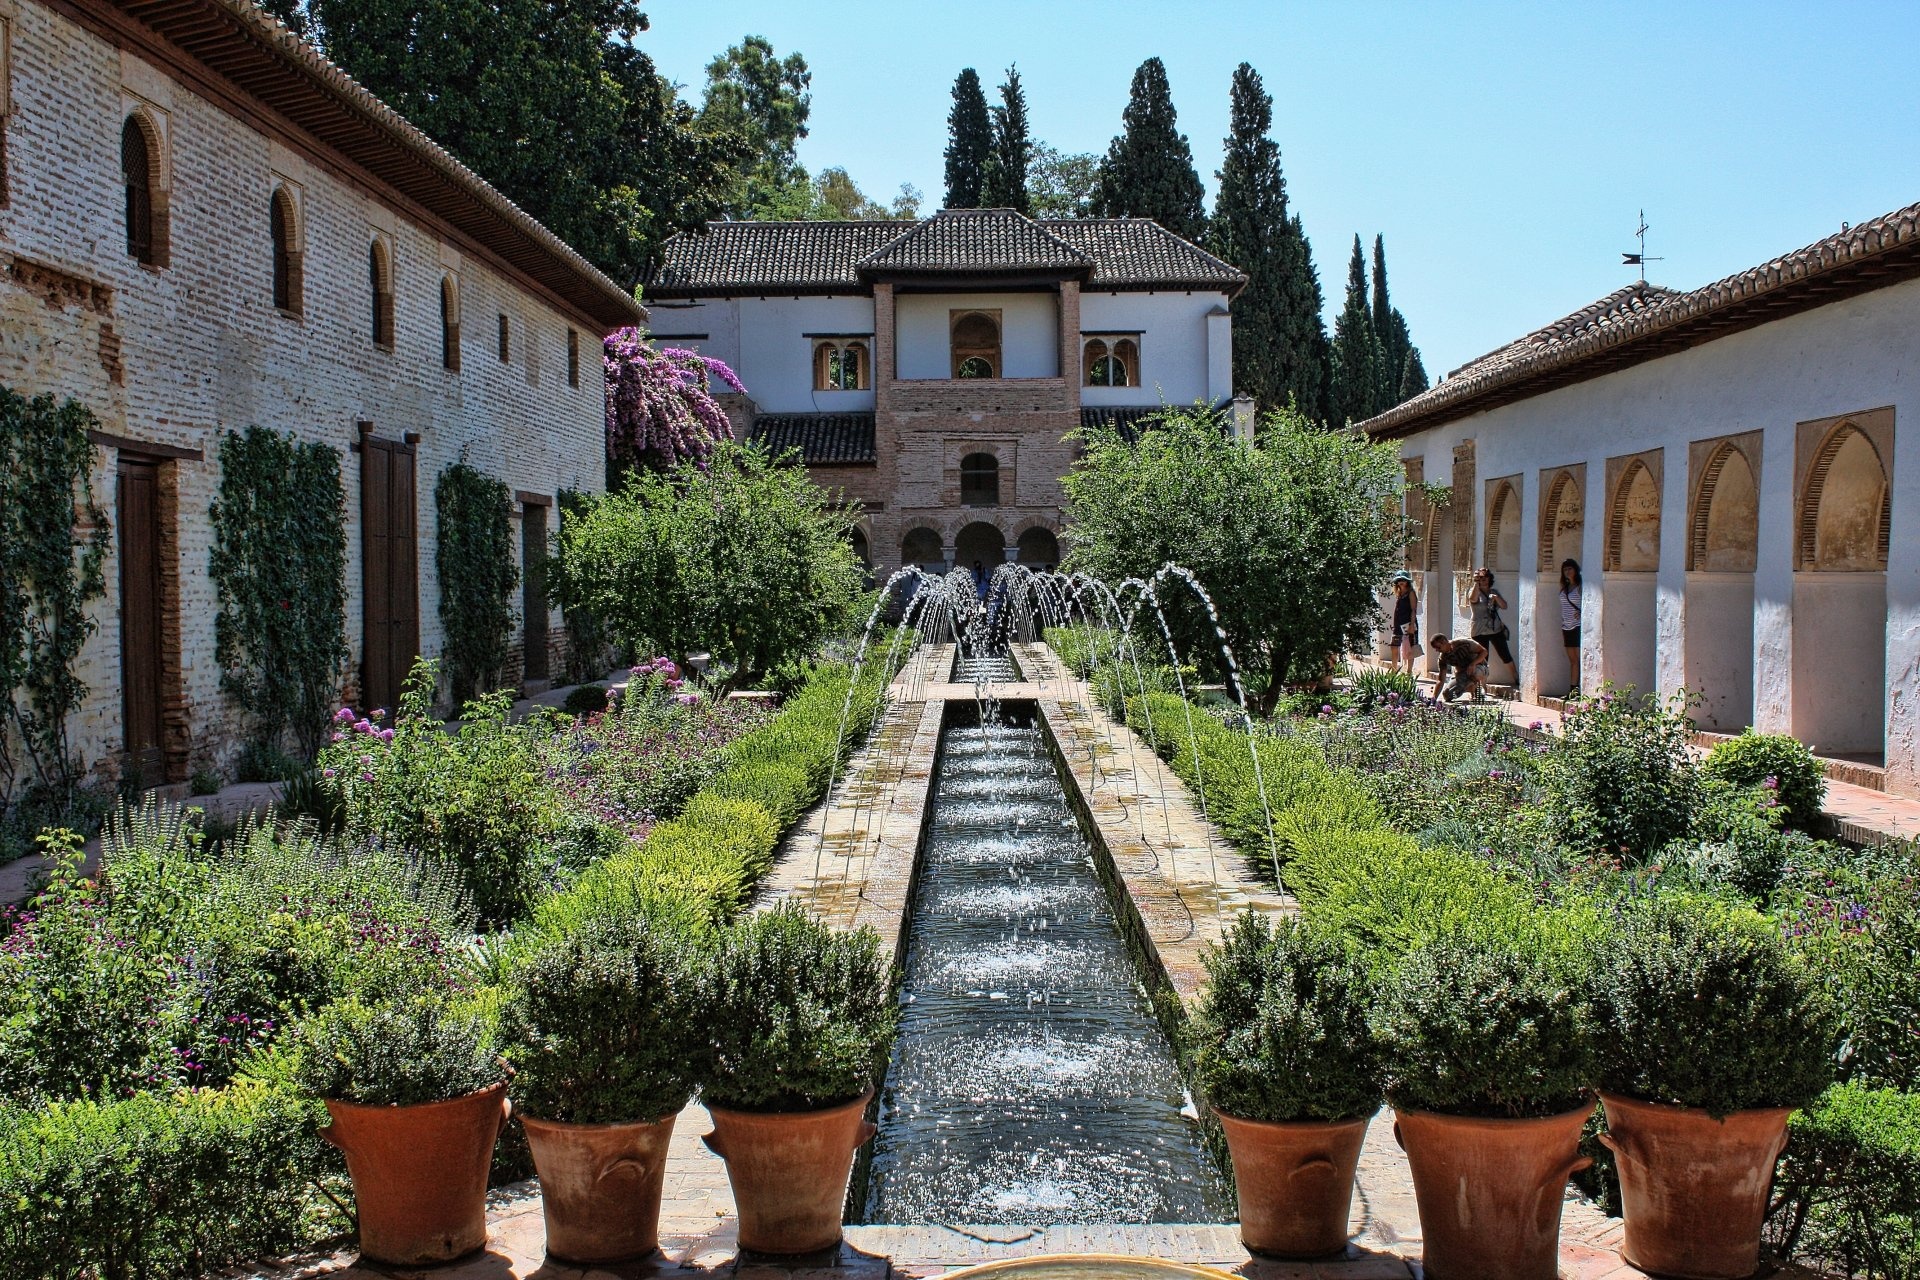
x=1641, y=323
x=775, y=257
x=1139, y=253
x=1130, y=421
x=240, y=44
x=823, y=439
x=970, y=241
x=736, y=258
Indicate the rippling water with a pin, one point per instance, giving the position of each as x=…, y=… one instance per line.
x=1031, y=1083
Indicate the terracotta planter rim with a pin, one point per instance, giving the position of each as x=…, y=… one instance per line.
x=1608, y=1098
x=527, y=1119
x=415, y=1106
x=1449, y=1117
x=860, y=1102
x=1292, y=1124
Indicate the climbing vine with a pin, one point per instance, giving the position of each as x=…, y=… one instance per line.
x=53, y=539
x=477, y=576
x=279, y=564
x=590, y=644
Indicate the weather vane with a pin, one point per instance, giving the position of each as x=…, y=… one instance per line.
x=1640, y=259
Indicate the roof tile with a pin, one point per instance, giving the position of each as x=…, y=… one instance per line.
x=823, y=439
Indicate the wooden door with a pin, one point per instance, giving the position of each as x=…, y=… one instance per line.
x=533, y=591
x=391, y=588
x=137, y=511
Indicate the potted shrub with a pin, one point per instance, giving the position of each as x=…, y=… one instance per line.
x=599, y=1031
x=417, y=1098
x=1487, y=1049
x=1284, y=1056
x=799, y=1022
x=1715, y=1032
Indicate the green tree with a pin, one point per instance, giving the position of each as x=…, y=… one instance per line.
x=1357, y=357
x=747, y=559
x=1062, y=185
x=474, y=558
x=969, y=142
x=755, y=94
x=1396, y=343
x=1413, y=376
x=550, y=103
x=1006, y=182
x=1148, y=171
x=1286, y=535
x=1280, y=340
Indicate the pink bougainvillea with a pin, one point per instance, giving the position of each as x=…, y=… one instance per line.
x=660, y=406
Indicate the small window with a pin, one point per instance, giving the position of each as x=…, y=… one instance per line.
x=573, y=357
x=1111, y=362
x=979, y=480
x=840, y=366
x=506, y=339
x=139, y=169
x=380, y=284
x=975, y=343
x=289, y=285
x=449, y=325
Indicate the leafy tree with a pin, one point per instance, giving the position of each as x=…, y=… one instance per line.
x=1006, y=183
x=757, y=95
x=1357, y=358
x=550, y=103
x=1148, y=171
x=1286, y=535
x=1061, y=185
x=834, y=196
x=746, y=558
x=969, y=142
x=1280, y=341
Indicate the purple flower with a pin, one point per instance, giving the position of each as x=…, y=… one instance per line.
x=366, y=760
x=327, y=773
x=386, y=735
x=338, y=736
x=379, y=712
x=343, y=715
x=366, y=777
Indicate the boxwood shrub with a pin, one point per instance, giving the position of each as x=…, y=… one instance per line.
x=1281, y=1032
x=1788, y=764
x=396, y=1054
x=1704, y=1006
x=1848, y=1188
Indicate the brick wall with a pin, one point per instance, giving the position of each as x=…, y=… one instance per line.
x=178, y=355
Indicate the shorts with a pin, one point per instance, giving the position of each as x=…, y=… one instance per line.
x=1570, y=637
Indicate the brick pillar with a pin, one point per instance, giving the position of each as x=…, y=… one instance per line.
x=884, y=370
x=1070, y=341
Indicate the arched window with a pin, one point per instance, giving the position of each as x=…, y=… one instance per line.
x=1039, y=549
x=858, y=537
x=1844, y=515
x=1725, y=535
x=380, y=287
x=140, y=171
x=979, y=480
x=1633, y=527
x=975, y=344
x=923, y=547
x=289, y=284
x=449, y=325
x=840, y=366
x=1111, y=361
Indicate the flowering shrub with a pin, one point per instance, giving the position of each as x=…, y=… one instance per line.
x=660, y=407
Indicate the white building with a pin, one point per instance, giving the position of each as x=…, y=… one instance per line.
x=206, y=226
x=1735, y=471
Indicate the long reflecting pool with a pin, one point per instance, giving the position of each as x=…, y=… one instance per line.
x=1031, y=1082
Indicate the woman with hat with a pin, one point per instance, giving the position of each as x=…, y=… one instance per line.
x=1406, y=620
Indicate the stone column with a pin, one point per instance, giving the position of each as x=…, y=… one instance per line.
x=1670, y=582
x=1773, y=583
x=1522, y=594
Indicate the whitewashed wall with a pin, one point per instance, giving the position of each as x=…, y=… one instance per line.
x=1176, y=355
x=1029, y=332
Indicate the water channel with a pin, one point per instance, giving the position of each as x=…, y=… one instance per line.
x=1031, y=1083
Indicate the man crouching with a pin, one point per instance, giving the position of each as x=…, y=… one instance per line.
x=1468, y=659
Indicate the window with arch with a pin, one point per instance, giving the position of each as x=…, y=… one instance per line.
x=979, y=480
x=449, y=325
x=841, y=365
x=1845, y=516
x=146, y=201
x=1110, y=360
x=975, y=343
x=289, y=279
x=380, y=286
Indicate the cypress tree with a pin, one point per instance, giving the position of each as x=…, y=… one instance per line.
x=1396, y=342
x=1148, y=171
x=1413, y=376
x=969, y=142
x=1006, y=183
x=1356, y=350
x=1280, y=341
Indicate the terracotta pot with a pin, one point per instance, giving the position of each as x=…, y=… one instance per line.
x=789, y=1172
x=420, y=1173
x=1489, y=1191
x=1693, y=1189
x=600, y=1187
x=1295, y=1181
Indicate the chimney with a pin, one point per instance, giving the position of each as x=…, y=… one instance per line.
x=1243, y=419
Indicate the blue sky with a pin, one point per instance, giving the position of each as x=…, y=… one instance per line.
x=1503, y=149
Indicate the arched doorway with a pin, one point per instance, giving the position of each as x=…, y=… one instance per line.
x=1723, y=540
x=1039, y=549
x=1840, y=596
x=979, y=549
x=1501, y=554
x=1627, y=631
x=1563, y=529
x=922, y=547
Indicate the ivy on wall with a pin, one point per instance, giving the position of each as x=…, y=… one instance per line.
x=477, y=577
x=53, y=540
x=590, y=643
x=279, y=563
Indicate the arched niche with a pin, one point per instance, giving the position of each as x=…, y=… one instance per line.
x=1845, y=518
x=980, y=543
x=1502, y=548
x=1725, y=533
x=1633, y=525
x=1563, y=517
x=1039, y=549
x=923, y=547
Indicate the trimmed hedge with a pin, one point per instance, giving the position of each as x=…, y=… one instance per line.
x=158, y=1185
x=1849, y=1186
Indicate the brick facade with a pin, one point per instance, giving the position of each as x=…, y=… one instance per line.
x=168, y=358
